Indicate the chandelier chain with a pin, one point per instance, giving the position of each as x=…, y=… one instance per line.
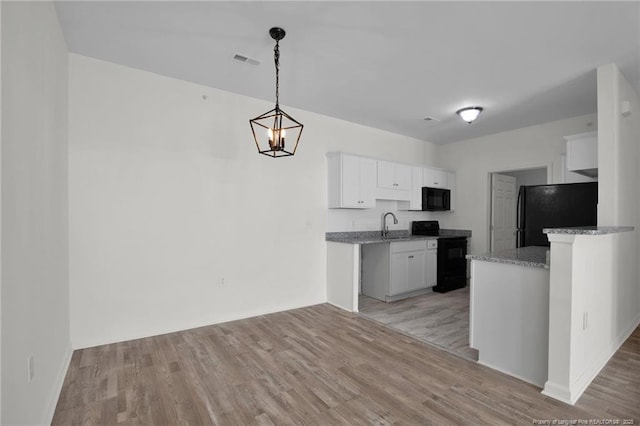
x=276, y=59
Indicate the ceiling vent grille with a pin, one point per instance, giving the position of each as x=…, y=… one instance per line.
x=430, y=119
x=245, y=59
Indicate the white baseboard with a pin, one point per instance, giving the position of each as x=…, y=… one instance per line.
x=582, y=382
x=62, y=373
x=517, y=376
x=341, y=307
x=559, y=392
x=576, y=389
x=84, y=343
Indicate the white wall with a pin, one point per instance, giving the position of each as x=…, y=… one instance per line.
x=618, y=139
x=473, y=160
x=617, y=148
x=618, y=142
x=528, y=177
x=168, y=196
x=35, y=288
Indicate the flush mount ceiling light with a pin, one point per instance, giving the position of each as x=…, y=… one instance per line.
x=269, y=129
x=469, y=114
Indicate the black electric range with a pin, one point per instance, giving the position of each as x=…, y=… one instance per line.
x=452, y=252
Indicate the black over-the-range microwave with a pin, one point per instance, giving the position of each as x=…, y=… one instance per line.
x=436, y=199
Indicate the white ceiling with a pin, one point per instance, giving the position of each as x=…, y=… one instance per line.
x=382, y=64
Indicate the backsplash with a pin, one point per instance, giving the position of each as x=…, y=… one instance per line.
x=345, y=220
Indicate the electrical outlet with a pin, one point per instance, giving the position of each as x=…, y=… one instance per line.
x=222, y=281
x=31, y=372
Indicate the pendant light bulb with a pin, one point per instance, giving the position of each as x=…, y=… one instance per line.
x=271, y=132
x=276, y=139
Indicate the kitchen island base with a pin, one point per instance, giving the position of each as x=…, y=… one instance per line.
x=509, y=318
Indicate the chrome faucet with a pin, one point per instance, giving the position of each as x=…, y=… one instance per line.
x=385, y=229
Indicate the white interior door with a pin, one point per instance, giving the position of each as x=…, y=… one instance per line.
x=503, y=212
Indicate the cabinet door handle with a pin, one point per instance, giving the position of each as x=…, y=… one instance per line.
x=410, y=257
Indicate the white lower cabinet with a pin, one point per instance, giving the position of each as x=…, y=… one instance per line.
x=391, y=271
x=407, y=272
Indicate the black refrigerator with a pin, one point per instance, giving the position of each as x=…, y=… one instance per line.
x=554, y=206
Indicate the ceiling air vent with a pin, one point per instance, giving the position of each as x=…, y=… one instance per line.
x=245, y=59
x=430, y=119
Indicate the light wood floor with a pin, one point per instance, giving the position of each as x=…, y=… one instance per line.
x=441, y=319
x=316, y=365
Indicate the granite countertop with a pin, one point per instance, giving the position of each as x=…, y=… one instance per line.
x=589, y=230
x=532, y=256
x=374, y=237
x=452, y=233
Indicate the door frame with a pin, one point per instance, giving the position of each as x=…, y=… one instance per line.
x=520, y=168
x=492, y=231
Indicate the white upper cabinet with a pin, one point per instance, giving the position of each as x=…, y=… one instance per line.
x=394, y=176
x=435, y=178
x=582, y=153
x=394, y=181
x=451, y=185
x=415, y=202
x=386, y=175
x=356, y=182
x=403, y=176
x=352, y=181
x=425, y=176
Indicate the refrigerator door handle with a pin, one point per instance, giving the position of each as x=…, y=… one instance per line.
x=519, y=224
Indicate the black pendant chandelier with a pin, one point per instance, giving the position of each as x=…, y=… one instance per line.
x=271, y=128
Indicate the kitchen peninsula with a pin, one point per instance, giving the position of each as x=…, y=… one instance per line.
x=554, y=317
x=509, y=312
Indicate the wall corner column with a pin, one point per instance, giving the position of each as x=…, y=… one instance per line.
x=561, y=297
